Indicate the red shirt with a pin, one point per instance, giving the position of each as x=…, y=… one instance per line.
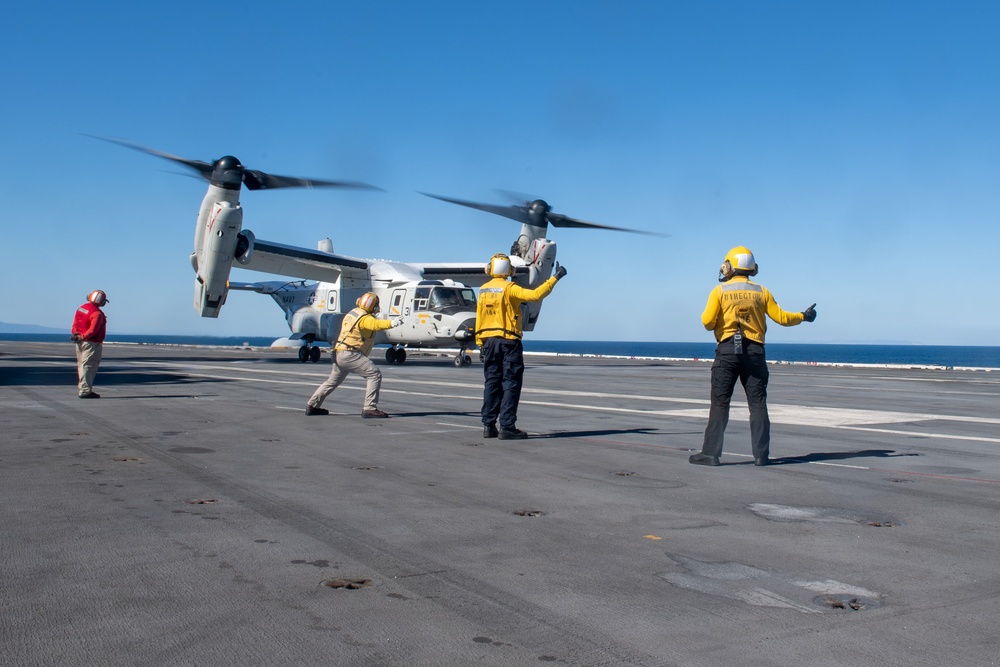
x=89, y=323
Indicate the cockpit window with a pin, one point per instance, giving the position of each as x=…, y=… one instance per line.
x=442, y=299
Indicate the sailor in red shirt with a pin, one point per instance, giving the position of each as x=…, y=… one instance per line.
x=88, y=333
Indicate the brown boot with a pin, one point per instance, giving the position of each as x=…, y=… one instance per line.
x=374, y=414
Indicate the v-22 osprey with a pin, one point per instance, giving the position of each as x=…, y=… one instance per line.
x=436, y=300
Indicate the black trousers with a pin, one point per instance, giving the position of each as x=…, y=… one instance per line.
x=503, y=370
x=750, y=368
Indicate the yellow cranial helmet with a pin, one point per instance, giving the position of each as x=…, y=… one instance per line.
x=739, y=262
x=98, y=297
x=499, y=266
x=369, y=302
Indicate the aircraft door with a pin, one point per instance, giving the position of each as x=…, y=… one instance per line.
x=396, y=301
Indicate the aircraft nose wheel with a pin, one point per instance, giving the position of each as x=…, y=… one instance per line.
x=463, y=360
x=395, y=355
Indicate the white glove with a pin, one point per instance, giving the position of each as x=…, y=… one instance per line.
x=398, y=322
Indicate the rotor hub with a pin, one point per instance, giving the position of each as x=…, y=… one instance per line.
x=228, y=172
x=228, y=163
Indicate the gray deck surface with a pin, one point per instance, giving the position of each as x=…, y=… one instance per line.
x=194, y=516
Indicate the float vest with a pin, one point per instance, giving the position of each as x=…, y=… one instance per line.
x=498, y=309
x=741, y=304
x=357, y=332
x=90, y=323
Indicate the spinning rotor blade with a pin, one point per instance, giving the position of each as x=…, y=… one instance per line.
x=514, y=197
x=513, y=212
x=229, y=171
x=558, y=220
x=258, y=180
x=203, y=168
x=538, y=213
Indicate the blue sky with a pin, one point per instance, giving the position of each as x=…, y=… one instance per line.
x=854, y=146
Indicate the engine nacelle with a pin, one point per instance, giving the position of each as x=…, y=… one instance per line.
x=218, y=249
x=544, y=253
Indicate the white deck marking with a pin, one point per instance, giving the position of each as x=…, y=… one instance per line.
x=789, y=414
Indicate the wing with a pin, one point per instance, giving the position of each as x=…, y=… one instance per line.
x=308, y=264
x=296, y=262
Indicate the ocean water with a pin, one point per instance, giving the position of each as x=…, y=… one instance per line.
x=945, y=356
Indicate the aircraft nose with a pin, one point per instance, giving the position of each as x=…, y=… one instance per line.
x=466, y=330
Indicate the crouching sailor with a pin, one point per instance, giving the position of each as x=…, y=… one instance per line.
x=350, y=355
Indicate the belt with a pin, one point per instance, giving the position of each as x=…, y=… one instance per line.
x=746, y=341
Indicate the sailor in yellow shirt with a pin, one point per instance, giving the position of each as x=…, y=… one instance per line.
x=350, y=355
x=498, y=334
x=736, y=312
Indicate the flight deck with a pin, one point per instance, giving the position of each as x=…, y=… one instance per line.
x=195, y=516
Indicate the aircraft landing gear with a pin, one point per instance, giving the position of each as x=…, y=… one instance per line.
x=395, y=355
x=463, y=359
x=309, y=353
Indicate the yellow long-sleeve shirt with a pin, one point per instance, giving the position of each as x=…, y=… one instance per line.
x=739, y=302
x=498, y=311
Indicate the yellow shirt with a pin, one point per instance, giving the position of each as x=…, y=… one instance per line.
x=741, y=302
x=498, y=311
x=357, y=332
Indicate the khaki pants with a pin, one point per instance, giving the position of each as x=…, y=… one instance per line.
x=346, y=362
x=88, y=358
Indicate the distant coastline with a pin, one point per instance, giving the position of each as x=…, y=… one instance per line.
x=10, y=328
x=920, y=356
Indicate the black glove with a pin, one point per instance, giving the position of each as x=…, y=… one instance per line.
x=75, y=338
x=809, y=314
x=560, y=271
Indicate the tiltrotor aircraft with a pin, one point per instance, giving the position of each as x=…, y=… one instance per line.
x=436, y=300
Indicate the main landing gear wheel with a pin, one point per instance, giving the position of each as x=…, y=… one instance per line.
x=309, y=353
x=395, y=355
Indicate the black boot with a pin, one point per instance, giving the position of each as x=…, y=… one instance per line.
x=703, y=460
